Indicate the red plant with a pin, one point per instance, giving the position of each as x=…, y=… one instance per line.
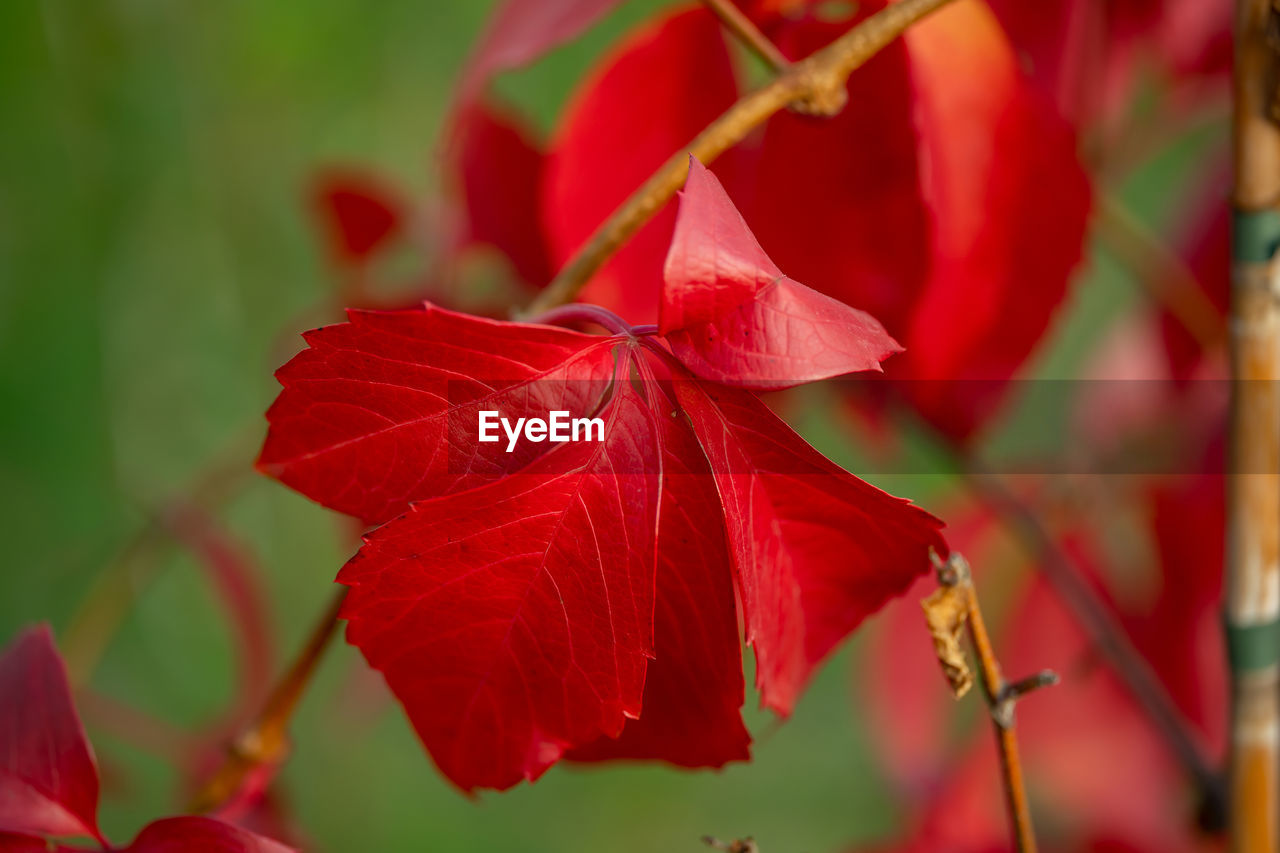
x=49, y=778
x=509, y=597
x=923, y=174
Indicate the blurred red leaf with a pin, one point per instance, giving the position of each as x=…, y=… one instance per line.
x=1009, y=203
x=358, y=214
x=192, y=834
x=1182, y=632
x=731, y=315
x=951, y=207
x=500, y=171
x=1087, y=54
x=48, y=776
x=606, y=146
x=520, y=31
x=1195, y=36
x=837, y=200
x=1082, y=53
x=1098, y=771
x=1095, y=754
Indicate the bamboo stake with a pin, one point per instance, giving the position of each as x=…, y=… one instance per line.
x=1253, y=477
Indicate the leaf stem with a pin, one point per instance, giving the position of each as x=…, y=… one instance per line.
x=1001, y=697
x=602, y=317
x=745, y=30
x=265, y=742
x=815, y=84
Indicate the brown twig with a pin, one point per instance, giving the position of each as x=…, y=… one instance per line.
x=1163, y=274
x=1093, y=615
x=1253, y=476
x=745, y=30
x=815, y=84
x=959, y=601
x=266, y=741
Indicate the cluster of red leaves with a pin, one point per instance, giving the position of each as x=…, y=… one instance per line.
x=1089, y=55
x=951, y=206
x=945, y=204
x=49, y=778
x=579, y=599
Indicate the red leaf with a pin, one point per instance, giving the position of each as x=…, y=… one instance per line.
x=694, y=688
x=358, y=214
x=48, y=777
x=520, y=31
x=732, y=316
x=949, y=206
x=1195, y=36
x=1079, y=52
x=680, y=61
x=816, y=550
x=22, y=844
x=516, y=619
x=1182, y=634
x=1087, y=54
x=1091, y=722
x=1009, y=200
x=200, y=835
x=512, y=606
x=381, y=411
x=501, y=175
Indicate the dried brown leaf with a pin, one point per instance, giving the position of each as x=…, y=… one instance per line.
x=946, y=611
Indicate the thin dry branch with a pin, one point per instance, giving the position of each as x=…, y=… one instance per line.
x=815, y=84
x=958, y=602
x=266, y=740
x=742, y=27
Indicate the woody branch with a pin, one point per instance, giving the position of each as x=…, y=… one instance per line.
x=952, y=610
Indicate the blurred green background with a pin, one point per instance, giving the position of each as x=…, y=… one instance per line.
x=155, y=252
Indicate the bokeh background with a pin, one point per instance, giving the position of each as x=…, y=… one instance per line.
x=157, y=258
